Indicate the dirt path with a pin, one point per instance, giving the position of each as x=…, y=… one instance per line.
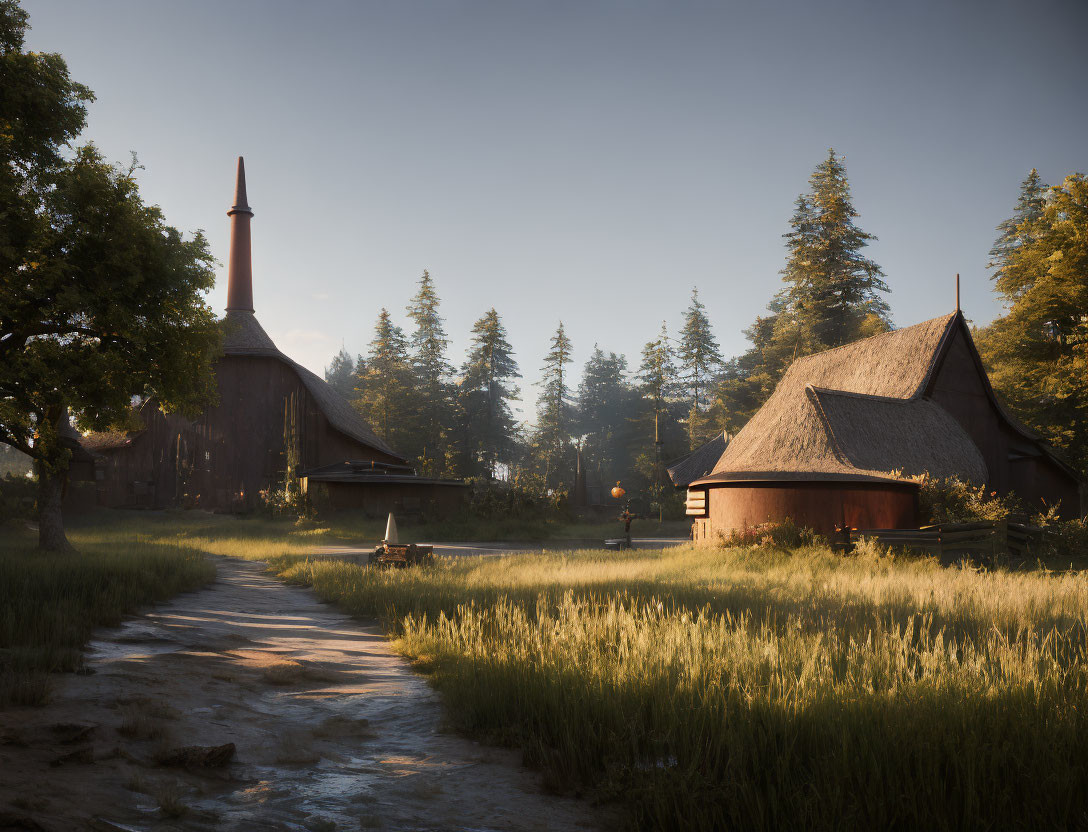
x=332, y=730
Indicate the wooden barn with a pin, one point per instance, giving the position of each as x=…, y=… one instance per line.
x=276, y=422
x=845, y=429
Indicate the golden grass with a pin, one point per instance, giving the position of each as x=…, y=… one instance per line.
x=755, y=689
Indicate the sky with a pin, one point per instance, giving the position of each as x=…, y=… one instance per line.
x=583, y=162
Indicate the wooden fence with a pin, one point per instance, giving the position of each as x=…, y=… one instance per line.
x=951, y=541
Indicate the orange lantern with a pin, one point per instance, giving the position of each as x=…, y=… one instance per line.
x=618, y=491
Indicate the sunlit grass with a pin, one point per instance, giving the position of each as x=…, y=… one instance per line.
x=754, y=689
x=701, y=688
x=51, y=603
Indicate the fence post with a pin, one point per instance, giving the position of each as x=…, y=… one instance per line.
x=1001, y=538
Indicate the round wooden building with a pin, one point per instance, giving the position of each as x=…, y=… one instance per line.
x=844, y=431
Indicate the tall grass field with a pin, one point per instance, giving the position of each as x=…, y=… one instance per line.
x=748, y=689
x=51, y=603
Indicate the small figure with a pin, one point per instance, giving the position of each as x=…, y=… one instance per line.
x=627, y=516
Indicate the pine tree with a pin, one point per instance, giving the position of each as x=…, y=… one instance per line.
x=657, y=438
x=555, y=414
x=340, y=374
x=834, y=291
x=833, y=295
x=485, y=393
x=432, y=374
x=1038, y=352
x=699, y=357
x=385, y=384
x=605, y=402
x=1029, y=207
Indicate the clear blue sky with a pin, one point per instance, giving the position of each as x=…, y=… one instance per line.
x=583, y=161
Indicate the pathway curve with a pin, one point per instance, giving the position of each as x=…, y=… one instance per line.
x=332, y=729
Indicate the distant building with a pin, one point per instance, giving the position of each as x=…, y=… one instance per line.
x=277, y=424
x=699, y=463
x=844, y=429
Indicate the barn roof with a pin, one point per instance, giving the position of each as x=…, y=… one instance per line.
x=244, y=335
x=699, y=462
x=856, y=413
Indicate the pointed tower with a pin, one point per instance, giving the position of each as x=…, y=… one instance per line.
x=240, y=267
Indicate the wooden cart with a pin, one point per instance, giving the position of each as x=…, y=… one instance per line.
x=401, y=555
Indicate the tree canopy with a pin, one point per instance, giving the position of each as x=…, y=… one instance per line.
x=1038, y=351
x=101, y=300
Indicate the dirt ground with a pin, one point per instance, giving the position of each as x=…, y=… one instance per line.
x=331, y=730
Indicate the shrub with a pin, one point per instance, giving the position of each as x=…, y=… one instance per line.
x=1064, y=538
x=952, y=500
x=785, y=534
x=285, y=504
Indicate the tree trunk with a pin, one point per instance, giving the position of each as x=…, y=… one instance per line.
x=51, y=537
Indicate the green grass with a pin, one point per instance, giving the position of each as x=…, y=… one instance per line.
x=51, y=603
x=752, y=689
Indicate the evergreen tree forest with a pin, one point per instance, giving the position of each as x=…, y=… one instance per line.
x=617, y=422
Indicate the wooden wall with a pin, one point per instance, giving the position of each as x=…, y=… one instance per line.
x=1015, y=463
x=265, y=420
x=816, y=505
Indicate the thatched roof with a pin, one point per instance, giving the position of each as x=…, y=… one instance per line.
x=244, y=335
x=856, y=413
x=699, y=462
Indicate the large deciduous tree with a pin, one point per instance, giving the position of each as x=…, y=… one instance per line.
x=100, y=300
x=1038, y=351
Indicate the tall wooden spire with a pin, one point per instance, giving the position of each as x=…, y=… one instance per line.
x=240, y=266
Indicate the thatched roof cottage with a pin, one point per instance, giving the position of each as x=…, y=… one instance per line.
x=844, y=430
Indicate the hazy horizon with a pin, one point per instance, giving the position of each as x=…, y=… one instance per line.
x=583, y=162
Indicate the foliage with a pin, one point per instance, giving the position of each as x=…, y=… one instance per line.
x=739, y=688
x=833, y=295
x=50, y=604
x=952, y=500
x=100, y=300
x=340, y=374
x=489, y=431
x=1064, y=539
x=17, y=497
x=699, y=358
x=555, y=413
x=1013, y=232
x=386, y=392
x=432, y=378
x=1037, y=352
x=782, y=534
x=285, y=503
x=605, y=401
x=657, y=435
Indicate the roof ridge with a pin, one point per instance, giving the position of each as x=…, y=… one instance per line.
x=810, y=356
x=831, y=391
